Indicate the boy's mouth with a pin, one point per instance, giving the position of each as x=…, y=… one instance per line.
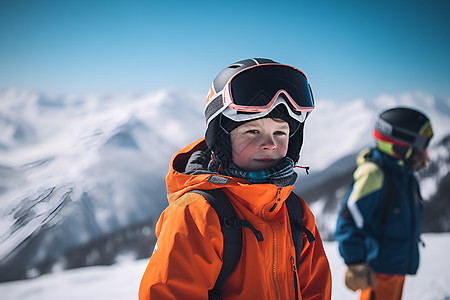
x=266, y=160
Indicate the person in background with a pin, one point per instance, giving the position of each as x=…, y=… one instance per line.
x=378, y=228
x=255, y=113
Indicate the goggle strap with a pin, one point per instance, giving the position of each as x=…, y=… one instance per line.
x=213, y=107
x=388, y=129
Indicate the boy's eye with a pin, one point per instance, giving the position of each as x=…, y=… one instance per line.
x=280, y=133
x=254, y=131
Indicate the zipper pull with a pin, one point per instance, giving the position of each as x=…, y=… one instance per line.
x=278, y=200
x=294, y=267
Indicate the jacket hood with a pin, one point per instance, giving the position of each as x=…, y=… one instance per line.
x=254, y=196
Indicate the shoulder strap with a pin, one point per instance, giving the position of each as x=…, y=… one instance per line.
x=231, y=227
x=295, y=211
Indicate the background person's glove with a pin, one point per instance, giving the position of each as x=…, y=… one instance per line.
x=360, y=276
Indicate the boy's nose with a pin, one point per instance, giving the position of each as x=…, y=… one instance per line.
x=268, y=144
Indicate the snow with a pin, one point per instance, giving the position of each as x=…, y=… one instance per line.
x=121, y=281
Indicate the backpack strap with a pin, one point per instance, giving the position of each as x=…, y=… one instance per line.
x=295, y=211
x=231, y=227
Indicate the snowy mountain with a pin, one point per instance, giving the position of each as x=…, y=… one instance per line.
x=74, y=170
x=82, y=177
x=336, y=129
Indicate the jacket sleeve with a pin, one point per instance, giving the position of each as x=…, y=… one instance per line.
x=359, y=212
x=314, y=269
x=187, y=259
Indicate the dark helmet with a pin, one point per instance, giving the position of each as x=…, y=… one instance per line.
x=219, y=126
x=402, y=131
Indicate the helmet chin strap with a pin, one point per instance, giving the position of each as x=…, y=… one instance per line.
x=221, y=127
x=295, y=131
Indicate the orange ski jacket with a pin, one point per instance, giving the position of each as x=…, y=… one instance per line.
x=188, y=254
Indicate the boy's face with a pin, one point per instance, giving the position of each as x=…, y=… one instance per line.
x=259, y=144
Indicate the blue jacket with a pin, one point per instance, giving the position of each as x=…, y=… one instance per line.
x=385, y=235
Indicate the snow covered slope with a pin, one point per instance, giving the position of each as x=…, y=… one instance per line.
x=121, y=281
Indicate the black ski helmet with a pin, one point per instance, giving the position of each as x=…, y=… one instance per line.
x=219, y=126
x=400, y=130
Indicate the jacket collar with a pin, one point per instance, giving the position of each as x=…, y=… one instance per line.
x=396, y=166
x=258, y=198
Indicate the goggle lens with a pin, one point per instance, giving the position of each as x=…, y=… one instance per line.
x=257, y=86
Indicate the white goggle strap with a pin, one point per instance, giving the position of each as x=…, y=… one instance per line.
x=214, y=107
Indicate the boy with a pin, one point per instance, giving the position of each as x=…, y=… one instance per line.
x=378, y=228
x=255, y=114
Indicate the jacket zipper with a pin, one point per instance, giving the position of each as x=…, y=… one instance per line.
x=294, y=272
x=277, y=201
x=412, y=207
x=275, y=257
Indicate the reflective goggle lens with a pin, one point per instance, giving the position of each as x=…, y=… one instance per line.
x=257, y=86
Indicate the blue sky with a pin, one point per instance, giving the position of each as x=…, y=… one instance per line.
x=348, y=49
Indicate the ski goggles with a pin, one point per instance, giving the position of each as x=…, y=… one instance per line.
x=253, y=92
